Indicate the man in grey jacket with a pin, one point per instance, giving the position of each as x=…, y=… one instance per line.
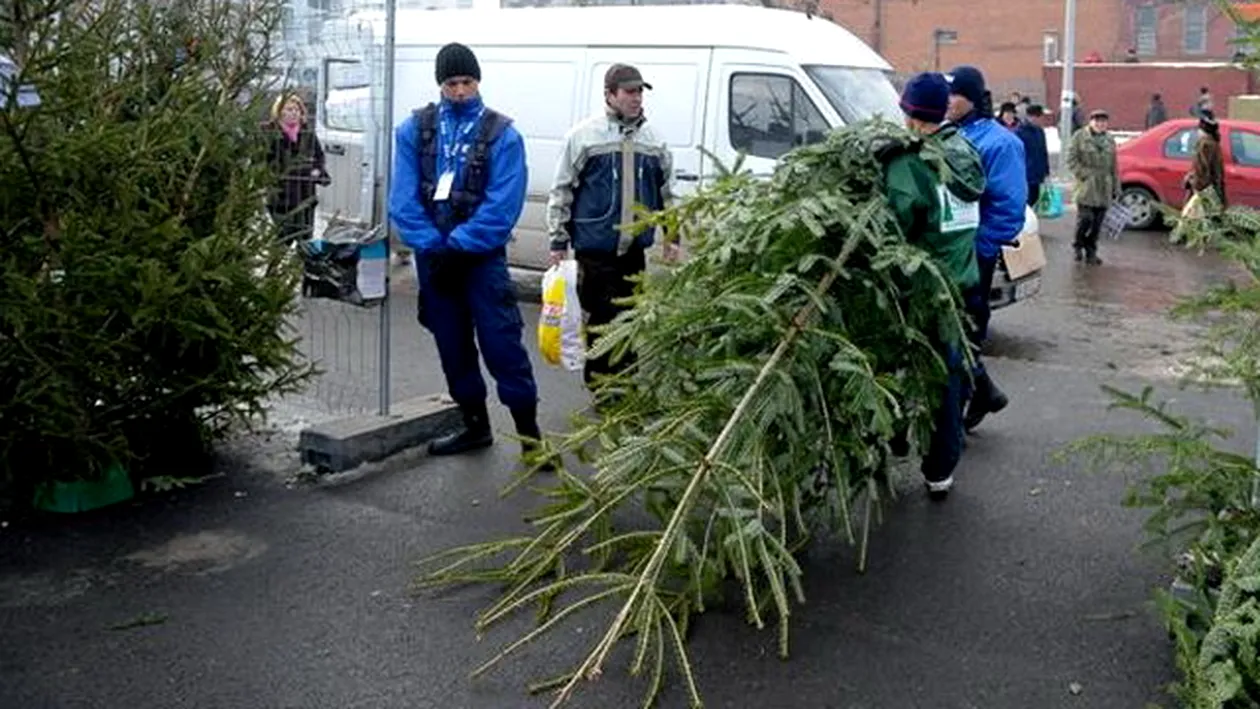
x=610, y=162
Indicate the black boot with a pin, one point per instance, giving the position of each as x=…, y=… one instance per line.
x=474, y=435
x=987, y=399
x=526, y=419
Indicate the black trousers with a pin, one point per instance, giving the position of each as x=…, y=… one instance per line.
x=601, y=280
x=1089, y=222
x=1034, y=194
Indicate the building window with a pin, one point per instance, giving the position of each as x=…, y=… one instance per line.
x=1194, y=25
x=1240, y=44
x=1146, y=30
x=1050, y=48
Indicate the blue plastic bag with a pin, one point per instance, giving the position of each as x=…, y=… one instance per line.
x=1050, y=203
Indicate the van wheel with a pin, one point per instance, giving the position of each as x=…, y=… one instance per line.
x=1143, y=207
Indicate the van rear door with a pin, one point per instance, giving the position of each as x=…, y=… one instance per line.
x=347, y=130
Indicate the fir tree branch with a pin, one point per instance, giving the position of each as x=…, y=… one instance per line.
x=591, y=666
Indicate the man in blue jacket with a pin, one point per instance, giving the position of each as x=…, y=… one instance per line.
x=460, y=179
x=1001, y=215
x=1036, y=155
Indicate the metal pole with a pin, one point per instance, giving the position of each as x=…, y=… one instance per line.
x=879, y=27
x=1068, y=87
x=387, y=176
x=1255, y=474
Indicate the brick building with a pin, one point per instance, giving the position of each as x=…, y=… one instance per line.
x=1011, y=41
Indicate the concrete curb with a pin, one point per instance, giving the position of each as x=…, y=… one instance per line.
x=345, y=444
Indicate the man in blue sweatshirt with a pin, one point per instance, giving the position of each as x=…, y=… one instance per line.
x=1001, y=215
x=460, y=178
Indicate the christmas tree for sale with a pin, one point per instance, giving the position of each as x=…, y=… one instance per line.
x=771, y=371
x=143, y=307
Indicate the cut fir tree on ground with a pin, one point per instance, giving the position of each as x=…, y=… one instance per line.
x=771, y=371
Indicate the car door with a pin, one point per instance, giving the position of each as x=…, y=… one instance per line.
x=763, y=112
x=1170, y=165
x=1242, y=166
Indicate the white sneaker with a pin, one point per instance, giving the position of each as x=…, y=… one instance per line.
x=939, y=489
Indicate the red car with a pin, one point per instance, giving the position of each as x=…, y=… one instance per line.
x=1153, y=164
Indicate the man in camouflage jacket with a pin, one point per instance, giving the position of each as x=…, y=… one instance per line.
x=1092, y=160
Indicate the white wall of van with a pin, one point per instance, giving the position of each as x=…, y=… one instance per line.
x=726, y=78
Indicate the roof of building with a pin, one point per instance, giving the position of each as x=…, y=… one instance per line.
x=809, y=40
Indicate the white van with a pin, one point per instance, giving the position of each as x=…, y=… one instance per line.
x=728, y=79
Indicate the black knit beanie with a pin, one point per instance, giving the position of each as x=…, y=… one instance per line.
x=456, y=60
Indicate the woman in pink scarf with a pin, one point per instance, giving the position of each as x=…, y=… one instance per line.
x=298, y=160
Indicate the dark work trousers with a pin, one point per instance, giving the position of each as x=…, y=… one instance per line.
x=976, y=302
x=1089, y=222
x=946, y=445
x=1034, y=194
x=601, y=280
x=479, y=301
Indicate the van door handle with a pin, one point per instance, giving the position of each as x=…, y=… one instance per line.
x=686, y=177
x=336, y=149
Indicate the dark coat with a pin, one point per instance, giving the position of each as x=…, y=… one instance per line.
x=1036, y=154
x=1208, y=168
x=1156, y=114
x=293, y=162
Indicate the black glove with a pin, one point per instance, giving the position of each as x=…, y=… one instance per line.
x=448, y=270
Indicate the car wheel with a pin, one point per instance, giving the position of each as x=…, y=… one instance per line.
x=1143, y=207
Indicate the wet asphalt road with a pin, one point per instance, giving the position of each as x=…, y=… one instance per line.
x=1026, y=581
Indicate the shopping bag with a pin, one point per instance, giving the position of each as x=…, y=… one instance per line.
x=347, y=263
x=1115, y=221
x=1194, y=207
x=560, y=340
x=1050, y=203
x=1026, y=256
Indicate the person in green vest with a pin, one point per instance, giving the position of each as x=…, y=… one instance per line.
x=940, y=214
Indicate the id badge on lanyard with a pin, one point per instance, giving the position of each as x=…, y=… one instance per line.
x=454, y=150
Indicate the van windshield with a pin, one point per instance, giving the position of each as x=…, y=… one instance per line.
x=857, y=94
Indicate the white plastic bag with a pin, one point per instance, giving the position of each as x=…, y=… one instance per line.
x=560, y=339
x=1115, y=221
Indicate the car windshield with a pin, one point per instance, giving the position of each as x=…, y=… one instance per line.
x=857, y=94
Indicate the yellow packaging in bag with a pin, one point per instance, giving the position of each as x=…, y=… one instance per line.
x=560, y=325
x=549, y=321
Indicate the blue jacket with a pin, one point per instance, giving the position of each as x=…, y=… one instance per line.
x=1036, y=154
x=490, y=226
x=585, y=206
x=1006, y=187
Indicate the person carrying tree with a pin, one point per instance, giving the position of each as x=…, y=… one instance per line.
x=941, y=217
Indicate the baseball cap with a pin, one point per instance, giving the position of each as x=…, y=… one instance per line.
x=624, y=76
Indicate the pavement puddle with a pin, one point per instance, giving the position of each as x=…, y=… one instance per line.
x=201, y=553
